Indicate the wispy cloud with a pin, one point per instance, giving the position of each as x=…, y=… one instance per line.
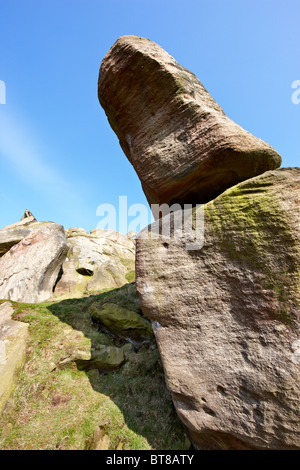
x=23, y=150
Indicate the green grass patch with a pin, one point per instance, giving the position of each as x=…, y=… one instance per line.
x=53, y=408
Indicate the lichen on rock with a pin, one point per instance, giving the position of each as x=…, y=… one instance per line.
x=226, y=317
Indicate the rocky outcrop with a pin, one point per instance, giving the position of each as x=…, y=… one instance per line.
x=41, y=259
x=226, y=317
x=101, y=259
x=179, y=140
x=14, y=233
x=13, y=337
x=29, y=270
x=27, y=214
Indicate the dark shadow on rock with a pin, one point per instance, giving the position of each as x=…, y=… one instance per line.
x=137, y=386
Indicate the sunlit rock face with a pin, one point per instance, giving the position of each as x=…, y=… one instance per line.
x=30, y=268
x=226, y=316
x=179, y=140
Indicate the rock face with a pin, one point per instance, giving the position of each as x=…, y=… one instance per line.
x=29, y=270
x=179, y=140
x=226, y=317
x=13, y=234
x=98, y=260
x=13, y=337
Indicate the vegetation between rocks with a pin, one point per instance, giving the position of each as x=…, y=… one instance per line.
x=56, y=407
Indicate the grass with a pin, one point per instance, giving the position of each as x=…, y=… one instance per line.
x=68, y=409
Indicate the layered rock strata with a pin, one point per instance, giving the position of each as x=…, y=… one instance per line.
x=179, y=140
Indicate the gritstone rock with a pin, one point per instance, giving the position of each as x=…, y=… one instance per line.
x=179, y=140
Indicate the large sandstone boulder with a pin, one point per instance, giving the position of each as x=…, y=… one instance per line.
x=226, y=317
x=29, y=270
x=179, y=140
x=13, y=338
x=101, y=259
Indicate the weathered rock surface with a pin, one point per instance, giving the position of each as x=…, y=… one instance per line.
x=27, y=214
x=14, y=233
x=103, y=358
x=226, y=317
x=29, y=270
x=98, y=260
x=13, y=337
x=179, y=140
x=118, y=315
x=122, y=322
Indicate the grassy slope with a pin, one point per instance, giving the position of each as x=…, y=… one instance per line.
x=53, y=408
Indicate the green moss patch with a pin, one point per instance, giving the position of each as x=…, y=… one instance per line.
x=252, y=228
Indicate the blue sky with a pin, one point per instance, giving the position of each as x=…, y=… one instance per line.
x=58, y=155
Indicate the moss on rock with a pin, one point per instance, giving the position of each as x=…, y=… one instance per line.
x=252, y=227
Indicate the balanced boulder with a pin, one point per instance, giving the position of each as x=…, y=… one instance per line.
x=179, y=140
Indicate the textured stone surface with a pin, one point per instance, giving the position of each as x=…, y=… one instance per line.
x=122, y=322
x=29, y=270
x=103, y=358
x=27, y=214
x=98, y=260
x=179, y=140
x=13, y=337
x=226, y=317
x=14, y=233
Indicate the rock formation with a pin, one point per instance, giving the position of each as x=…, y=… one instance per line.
x=27, y=214
x=122, y=322
x=101, y=259
x=29, y=270
x=179, y=140
x=13, y=337
x=226, y=317
x=14, y=233
x=39, y=259
x=117, y=313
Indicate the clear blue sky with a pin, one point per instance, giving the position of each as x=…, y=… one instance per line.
x=58, y=155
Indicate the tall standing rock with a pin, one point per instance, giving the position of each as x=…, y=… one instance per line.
x=226, y=317
x=179, y=140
